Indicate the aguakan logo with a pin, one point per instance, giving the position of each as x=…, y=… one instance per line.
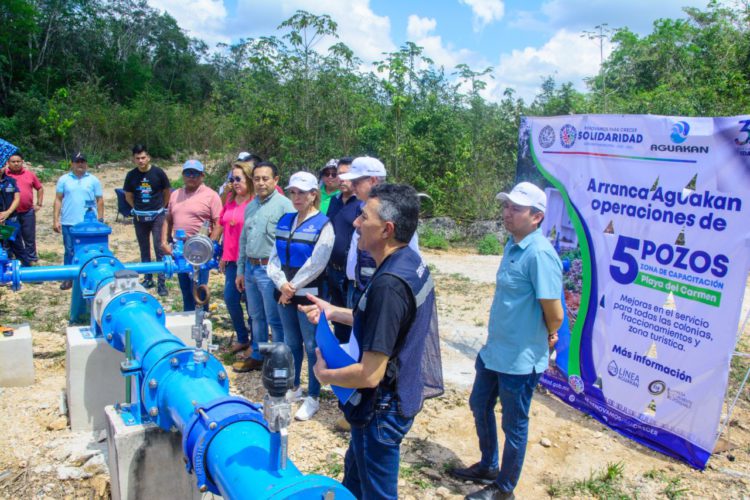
x=612, y=368
x=547, y=137
x=678, y=135
x=680, y=131
x=567, y=135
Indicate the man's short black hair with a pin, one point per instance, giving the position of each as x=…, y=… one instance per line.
x=399, y=204
x=346, y=160
x=17, y=153
x=267, y=164
x=139, y=148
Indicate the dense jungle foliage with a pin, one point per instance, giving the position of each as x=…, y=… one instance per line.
x=100, y=75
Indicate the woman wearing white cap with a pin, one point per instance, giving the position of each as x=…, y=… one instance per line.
x=304, y=240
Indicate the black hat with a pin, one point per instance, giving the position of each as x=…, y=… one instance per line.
x=79, y=157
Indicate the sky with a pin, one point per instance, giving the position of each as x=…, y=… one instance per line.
x=523, y=41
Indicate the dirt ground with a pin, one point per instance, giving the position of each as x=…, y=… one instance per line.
x=569, y=455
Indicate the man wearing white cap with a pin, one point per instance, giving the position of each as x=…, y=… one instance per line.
x=365, y=173
x=190, y=207
x=525, y=316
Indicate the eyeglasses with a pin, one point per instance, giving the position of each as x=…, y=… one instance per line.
x=191, y=174
x=236, y=179
x=330, y=174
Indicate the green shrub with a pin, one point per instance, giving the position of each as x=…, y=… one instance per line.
x=431, y=239
x=490, y=245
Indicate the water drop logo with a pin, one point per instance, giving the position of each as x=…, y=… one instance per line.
x=680, y=131
x=612, y=368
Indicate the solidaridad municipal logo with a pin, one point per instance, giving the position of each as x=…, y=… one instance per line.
x=568, y=135
x=546, y=137
x=576, y=383
x=680, y=131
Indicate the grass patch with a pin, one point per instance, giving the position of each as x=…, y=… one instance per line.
x=412, y=474
x=674, y=490
x=433, y=240
x=605, y=484
x=49, y=256
x=489, y=245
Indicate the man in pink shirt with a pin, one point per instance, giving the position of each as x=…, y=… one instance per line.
x=24, y=247
x=189, y=207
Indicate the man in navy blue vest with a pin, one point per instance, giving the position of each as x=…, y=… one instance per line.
x=395, y=324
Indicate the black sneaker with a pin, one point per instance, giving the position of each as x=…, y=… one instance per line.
x=475, y=473
x=66, y=285
x=491, y=492
x=147, y=283
x=162, y=289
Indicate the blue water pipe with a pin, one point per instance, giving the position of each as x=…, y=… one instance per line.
x=227, y=443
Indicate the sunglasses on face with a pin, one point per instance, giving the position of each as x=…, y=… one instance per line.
x=330, y=174
x=236, y=179
x=191, y=174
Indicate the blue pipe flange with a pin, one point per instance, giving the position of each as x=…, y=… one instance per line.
x=120, y=301
x=96, y=273
x=15, y=275
x=206, y=423
x=162, y=377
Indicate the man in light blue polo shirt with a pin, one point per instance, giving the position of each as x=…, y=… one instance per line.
x=525, y=316
x=73, y=190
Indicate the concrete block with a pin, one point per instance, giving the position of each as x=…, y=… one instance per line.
x=17, y=358
x=93, y=378
x=93, y=371
x=146, y=462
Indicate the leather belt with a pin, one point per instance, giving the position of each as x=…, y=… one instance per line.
x=258, y=262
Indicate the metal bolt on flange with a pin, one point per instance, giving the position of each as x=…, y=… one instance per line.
x=174, y=362
x=84, y=275
x=152, y=384
x=154, y=411
x=212, y=425
x=108, y=317
x=222, y=375
x=109, y=336
x=95, y=263
x=144, y=299
x=122, y=300
x=159, y=311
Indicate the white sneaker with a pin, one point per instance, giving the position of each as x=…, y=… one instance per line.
x=310, y=407
x=293, y=395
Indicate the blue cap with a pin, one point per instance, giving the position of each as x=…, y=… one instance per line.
x=193, y=165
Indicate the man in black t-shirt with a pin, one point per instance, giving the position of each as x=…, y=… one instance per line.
x=395, y=325
x=147, y=190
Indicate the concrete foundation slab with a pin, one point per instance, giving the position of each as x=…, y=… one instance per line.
x=146, y=462
x=16, y=358
x=93, y=378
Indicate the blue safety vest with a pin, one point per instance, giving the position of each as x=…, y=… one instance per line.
x=414, y=370
x=294, y=247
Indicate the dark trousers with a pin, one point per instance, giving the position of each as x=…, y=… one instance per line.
x=24, y=246
x=372, y=460
x=338, y=291
x=515, y=393
x=142, y=232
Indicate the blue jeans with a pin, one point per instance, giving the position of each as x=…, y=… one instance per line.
x=261, y=306
x=338, y=290
x=372, y=460
x=515, y=392
x=233, y=301
x=299, y=331
x=68, y=245
x=186, y=287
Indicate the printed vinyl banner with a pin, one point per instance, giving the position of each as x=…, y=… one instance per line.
x=650, y=216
